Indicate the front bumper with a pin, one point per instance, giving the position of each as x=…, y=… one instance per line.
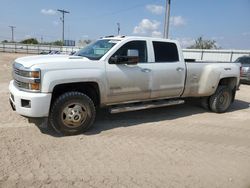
x=245, y=78
x=29, y=104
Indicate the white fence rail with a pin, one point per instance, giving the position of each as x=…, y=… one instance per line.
x=214, y=55
x=197, y=54
x=34, y=49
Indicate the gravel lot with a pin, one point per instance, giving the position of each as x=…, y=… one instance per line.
x=180, y=146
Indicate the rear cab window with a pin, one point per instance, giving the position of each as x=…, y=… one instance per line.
x=165, y=52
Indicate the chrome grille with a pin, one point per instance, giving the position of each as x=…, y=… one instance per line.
x=17, y=83
x=20, y=84
x=20, y=72
x=16, y=71
x=23, y=79
x=244, y=74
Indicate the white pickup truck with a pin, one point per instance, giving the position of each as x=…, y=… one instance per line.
x=121, y=73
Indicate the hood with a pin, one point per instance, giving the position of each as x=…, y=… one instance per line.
x=49, y=60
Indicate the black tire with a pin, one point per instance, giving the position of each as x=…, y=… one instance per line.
x=220, y=101
x=72, y=113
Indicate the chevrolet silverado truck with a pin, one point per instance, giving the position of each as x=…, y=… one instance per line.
x=121, y=74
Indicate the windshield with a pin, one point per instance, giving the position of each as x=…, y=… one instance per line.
x=243, y=60
x=96, y=50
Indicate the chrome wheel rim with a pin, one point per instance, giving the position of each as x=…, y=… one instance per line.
x=74, y=115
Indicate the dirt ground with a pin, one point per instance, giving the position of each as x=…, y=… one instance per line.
x=180, y=146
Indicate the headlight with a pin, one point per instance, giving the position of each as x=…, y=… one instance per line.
x=28, y=74
x=27, y=79
x=28, y=86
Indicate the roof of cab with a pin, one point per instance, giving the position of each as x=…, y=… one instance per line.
x=122, y=37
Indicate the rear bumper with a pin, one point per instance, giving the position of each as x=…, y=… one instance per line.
x=29, y=104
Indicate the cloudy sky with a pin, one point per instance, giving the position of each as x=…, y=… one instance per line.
x=226, y=21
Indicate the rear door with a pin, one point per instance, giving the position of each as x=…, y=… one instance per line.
x=168, y=70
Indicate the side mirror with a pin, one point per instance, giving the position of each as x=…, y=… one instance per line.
x=132, y=53
x=132, y=58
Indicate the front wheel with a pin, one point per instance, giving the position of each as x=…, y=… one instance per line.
x=220, y=101
x=72, y=113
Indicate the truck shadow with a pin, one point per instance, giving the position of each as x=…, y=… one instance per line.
x=239, y=105
x=106, y=121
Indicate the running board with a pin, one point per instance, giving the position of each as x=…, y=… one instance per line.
x=143, y=106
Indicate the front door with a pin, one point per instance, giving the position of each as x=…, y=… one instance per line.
x=127, y=83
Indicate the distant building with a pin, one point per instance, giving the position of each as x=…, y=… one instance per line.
x=69, y=43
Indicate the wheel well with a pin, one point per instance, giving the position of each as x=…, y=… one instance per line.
x=231, y=83
x=91, y=89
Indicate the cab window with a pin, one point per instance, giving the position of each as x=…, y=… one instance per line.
x=165, y=52
x=141, y=46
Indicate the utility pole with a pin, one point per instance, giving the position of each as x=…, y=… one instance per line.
x=41, y=39
x=12, y=32
x=63, y=12
x=167, y=19
x=118, y=28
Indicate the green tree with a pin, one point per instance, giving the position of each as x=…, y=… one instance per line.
x=54, y=43
x=4, y=41
x=57, y=43
x=201, y=43
x=30, y=41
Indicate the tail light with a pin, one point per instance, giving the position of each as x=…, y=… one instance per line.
x=241, y=71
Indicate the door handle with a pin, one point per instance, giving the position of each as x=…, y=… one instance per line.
x=146, y=70
x=179, y=69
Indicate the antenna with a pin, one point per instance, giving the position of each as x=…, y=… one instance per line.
x=118, y=28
